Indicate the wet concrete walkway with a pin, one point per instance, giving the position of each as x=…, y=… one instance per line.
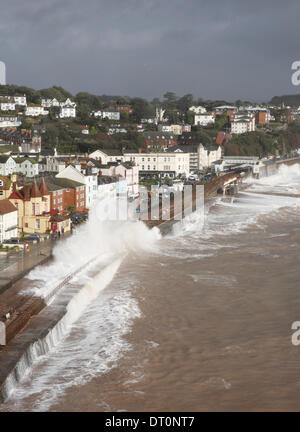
x=16, y=265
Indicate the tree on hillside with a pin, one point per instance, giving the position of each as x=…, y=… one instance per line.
x=170, y=100
x=185, y=102
x=55, y=92
x=141, y=109
x=172, y=116
x=89, y=100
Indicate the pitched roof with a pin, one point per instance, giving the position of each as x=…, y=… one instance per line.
x=43, y=188
x=4, y=159
x=35, y=193
x=6, y=207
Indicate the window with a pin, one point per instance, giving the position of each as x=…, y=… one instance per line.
x=1, y=192
x=68, y=190
x=37, y=224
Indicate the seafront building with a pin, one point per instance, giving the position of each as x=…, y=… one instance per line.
x=8, y=220
x=87, y=177
x=34, y=213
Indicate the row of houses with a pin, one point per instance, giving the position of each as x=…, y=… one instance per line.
x=13, y=103
x=241, y=120
x=178, y=160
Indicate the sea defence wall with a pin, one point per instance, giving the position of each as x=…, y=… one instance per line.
x=271, y=167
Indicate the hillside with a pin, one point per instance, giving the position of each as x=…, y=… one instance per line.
x=287, y=100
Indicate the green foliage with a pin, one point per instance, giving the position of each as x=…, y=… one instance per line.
x=90, y=101
x=220, y=122
x=55, y=92
x=288, y=100
x=170, y=100
x=141, y=109
x=190, y=117
x=263, y=144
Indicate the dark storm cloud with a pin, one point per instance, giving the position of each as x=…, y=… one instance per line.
x=214, y=49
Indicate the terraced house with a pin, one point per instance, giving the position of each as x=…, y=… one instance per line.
x=26, y=166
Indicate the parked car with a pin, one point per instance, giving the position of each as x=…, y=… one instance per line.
x=33, y=236
x=14, y=240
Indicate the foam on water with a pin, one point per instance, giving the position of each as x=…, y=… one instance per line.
x=224, y=219
x=98, y=241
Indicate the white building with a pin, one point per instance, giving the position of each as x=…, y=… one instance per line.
x=166, y=164
x=11, y=101
x=2, y=73
x=109, y=114
x=127, y=172
x=8, y=220
x=27, y=166
x=48, y=103
x=67, y=111
x=87, y=177
x=20, y=100
x=105, y=156
x=164, y=128
x=263, y=115
x=198, y=109
x=207, y=155
x=242, y=122
x=204, y=119
x=7, y=106
x=149, y=120
x=33, y=110
x=68, y=103
x=173, y=129
x=112, y=131
x=7, y=165
x=9, y=121
x=200, y=157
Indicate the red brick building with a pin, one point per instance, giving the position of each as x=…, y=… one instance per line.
x=65, y=193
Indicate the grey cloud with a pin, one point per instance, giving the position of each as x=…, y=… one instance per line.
x=215, y=49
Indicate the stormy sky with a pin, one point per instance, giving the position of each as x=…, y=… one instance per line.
x=217, y=49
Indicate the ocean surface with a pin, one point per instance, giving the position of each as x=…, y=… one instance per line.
x=198, y=320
